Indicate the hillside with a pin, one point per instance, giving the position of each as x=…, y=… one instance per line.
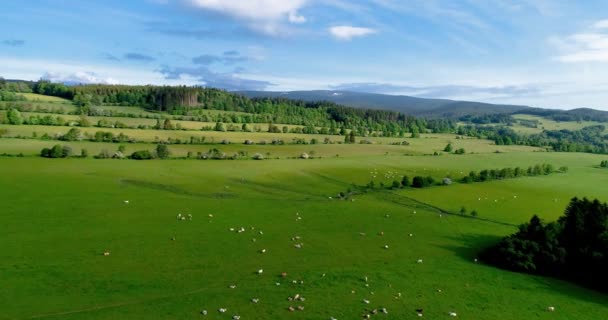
x=405, y=104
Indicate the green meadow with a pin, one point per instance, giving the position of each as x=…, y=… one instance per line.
x=61, y=215
x=257, y=233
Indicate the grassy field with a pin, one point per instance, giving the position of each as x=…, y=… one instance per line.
x=548, y=124
x=59, y=216
x=43, y=98
x=189, y=125
x=427, y=144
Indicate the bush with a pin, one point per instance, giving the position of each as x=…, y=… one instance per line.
x=460, y=151
x=142, y=155
x=57, y=151
x=396, y=184
x=104, y=154
x=162, y=151
x=422, y=182
x=405, y=181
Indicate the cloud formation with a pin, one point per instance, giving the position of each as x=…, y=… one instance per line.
x=264, y=16
x=77, y=78
x=227, y=58
x=588, y=46
x=349, y=32
x=13, y=43
x=138, y=57
x=208, y=78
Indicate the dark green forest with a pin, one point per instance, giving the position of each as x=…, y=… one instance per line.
x=574, y=248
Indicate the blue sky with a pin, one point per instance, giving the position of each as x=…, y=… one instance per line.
x=546, y=53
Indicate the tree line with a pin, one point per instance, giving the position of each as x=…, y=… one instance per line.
x=182, y=100
x=591, y=139
x=508, y=173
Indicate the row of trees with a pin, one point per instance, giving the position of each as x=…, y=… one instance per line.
x=508, y=173
x=590, y=139
x=575, y=247
x=59, y=151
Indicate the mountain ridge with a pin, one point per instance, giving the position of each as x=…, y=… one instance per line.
x=416, y=106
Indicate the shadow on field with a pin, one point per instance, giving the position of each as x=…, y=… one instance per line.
x=473, y=244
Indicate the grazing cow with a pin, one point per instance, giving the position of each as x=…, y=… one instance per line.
x=551, y=309
x=419, y=261
x=222, y=310
x=126, y=201
x=453, y=314
x=107, y=253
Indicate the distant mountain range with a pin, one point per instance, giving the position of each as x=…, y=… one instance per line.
x=405, y=104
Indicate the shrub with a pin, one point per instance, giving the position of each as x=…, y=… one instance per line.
x=84, y=153
x=104, y=154
x=57, y=151
x=405, y=181
x=418, y=182
x=141, y=155
x=162, y=151
x=460, y=151
x=422, y=182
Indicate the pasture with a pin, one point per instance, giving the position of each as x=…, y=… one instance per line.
x=42, y=98
x=548, y=124
x=60, y=215
x=104, y=239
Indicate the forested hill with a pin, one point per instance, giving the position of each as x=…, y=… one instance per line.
x=410, y=105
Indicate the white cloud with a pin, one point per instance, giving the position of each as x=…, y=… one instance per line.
x=349, y=32
x=255, y=10
x=78, y=77
x=34, y=69
x=295, y=18
x=590, y=46
x=602, y=24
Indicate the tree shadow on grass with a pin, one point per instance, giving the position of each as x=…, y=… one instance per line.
x=473, y=244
